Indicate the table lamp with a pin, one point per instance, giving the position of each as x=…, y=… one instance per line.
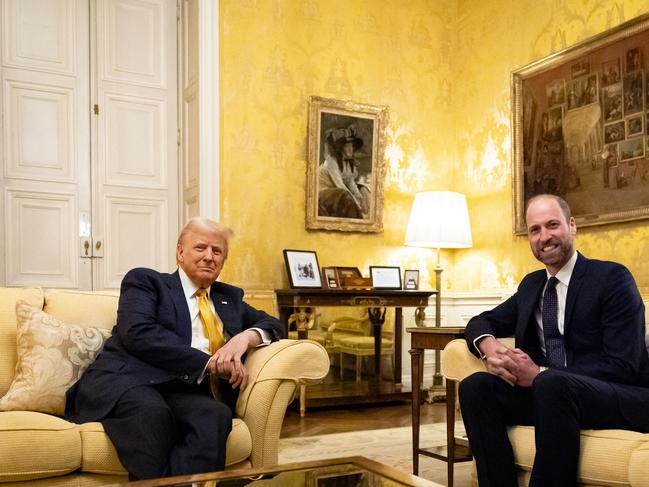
x=439, y=220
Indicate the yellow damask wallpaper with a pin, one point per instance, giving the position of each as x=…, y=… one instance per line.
x=516, y=34
x=443, y=69
x=277, y=53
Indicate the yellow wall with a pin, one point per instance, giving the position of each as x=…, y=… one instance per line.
x=517, y=33
x=443, y=68
x=274, y=55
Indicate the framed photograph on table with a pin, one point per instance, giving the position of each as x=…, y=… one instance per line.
x=330, y=278
x=385, y=277
x=569, y=110
x=411, y=279
x=302, y=268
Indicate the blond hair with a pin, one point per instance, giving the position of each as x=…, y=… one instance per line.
x=202, y=223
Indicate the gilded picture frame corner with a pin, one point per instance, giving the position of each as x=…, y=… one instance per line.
x=345, y=192
x=577, y=131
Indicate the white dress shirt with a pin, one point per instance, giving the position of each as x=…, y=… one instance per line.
x=199, y=340
x=563, y=276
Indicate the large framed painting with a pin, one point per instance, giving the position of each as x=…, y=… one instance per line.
x=345, y=166
x=580, y=128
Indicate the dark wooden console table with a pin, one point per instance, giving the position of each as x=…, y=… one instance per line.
x=289, y=300
x=427, y=338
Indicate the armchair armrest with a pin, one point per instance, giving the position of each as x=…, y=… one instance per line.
x=275, y=372
x=458, y=362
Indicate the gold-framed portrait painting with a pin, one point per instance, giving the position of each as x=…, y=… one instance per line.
x=345, y=166
x=579, y=125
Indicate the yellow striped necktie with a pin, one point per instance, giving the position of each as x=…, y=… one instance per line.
x=212, y=324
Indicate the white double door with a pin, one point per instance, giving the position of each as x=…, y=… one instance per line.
x=89, y=177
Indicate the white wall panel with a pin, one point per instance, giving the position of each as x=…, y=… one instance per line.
x=39, y=34
x=38, y=131
x=138, y=236
x=130, y=23
x=135, y=141
x=38, y=244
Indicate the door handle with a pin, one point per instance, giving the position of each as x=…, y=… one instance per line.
x=98, y=251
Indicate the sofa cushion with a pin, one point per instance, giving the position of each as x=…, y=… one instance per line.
x=35, y=445
x=85, y=308
x=8, y=298
x=99, y=454
x=52, y=355
x=605, y=454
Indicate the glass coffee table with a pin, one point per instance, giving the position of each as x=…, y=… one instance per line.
x=336, y=472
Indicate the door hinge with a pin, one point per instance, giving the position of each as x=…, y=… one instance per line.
x=95, y=109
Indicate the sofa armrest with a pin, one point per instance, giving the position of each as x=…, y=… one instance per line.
x=275, y=373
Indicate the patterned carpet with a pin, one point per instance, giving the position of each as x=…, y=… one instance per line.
x=392, y=446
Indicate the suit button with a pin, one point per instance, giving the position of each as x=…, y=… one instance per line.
x=151, y=382
x=186, y=377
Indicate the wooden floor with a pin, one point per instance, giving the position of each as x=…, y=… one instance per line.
x=357, y=418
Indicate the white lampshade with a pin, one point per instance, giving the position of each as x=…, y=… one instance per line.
x=440, y=220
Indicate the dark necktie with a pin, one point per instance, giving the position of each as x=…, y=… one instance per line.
x=555, y=353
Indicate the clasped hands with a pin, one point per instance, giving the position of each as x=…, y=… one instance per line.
x=510, y=364
x=226, y=362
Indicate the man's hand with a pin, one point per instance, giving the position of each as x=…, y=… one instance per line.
x=226, y=362
x=498, y=359
x=525, y=369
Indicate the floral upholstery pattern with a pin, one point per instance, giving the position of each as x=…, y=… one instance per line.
x=52, y=355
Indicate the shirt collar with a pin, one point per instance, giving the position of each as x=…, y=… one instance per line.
x=565, y=273
x=189, y=288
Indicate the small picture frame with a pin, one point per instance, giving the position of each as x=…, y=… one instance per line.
x=385, y=277
x=302, y=268
x=330, y=278
x=411, y=279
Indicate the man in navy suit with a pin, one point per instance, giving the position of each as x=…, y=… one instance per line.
x=150, y=386
x=580, y=360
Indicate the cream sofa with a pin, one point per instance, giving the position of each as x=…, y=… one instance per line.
x=34, y=445
x=608, y=457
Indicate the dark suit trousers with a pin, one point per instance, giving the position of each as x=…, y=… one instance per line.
x=558, y=405
x=169, y=429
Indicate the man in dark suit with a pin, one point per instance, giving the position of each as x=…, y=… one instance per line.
x=580, y=360
x=152, y=386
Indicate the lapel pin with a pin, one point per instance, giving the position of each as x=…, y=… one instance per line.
x=224, y=302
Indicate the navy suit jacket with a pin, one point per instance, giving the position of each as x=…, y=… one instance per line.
x=151, y=342
x=604, y=329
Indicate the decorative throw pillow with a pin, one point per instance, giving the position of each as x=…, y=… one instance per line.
x=52, y=355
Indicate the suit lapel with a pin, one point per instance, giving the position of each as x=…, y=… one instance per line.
x=528, y=306
x=576, y=280
x=180, y=303
x=224, y=308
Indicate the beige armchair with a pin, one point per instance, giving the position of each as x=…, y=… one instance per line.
x=608, y=457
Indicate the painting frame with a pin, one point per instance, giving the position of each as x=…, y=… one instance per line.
x=598, y=73
x=355, y=205
x=302, y=269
